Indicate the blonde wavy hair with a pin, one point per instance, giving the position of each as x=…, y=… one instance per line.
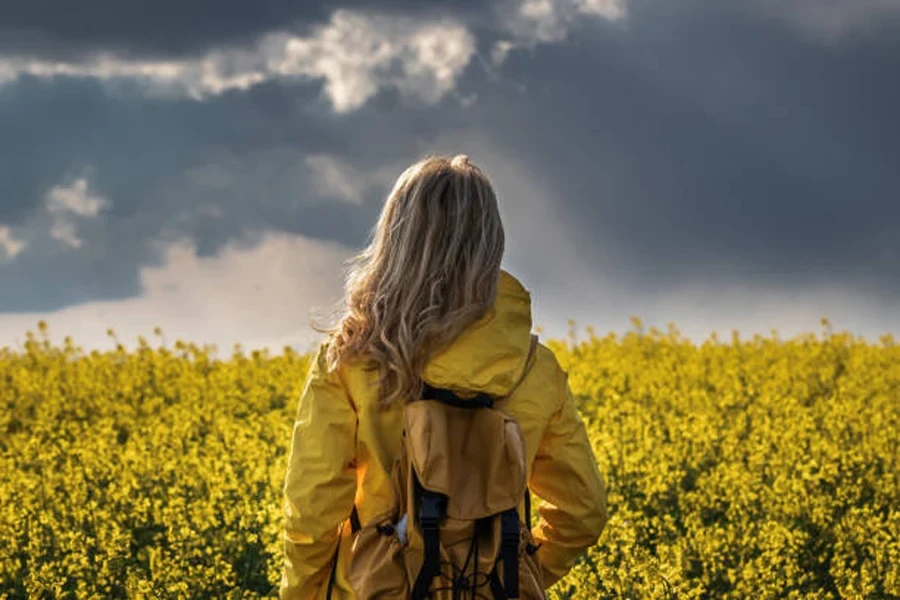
x=431, y=269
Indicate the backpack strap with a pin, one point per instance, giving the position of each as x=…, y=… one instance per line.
x=430, y=514
x=509, y=554
x=509, y=551
x=446, y=396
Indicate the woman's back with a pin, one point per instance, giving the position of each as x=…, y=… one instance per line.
x=345, y=443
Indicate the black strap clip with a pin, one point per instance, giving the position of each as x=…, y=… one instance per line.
x=431, y=510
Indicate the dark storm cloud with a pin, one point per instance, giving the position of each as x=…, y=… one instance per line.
x=170, y=27
x=154, y=160
x=699, y=141
x=719, y=146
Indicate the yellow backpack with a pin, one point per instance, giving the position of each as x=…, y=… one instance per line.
x=453, y=531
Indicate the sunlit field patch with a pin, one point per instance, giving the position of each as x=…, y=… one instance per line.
x=755, y=468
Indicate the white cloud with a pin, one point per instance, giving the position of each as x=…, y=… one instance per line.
x=10, y=245
x=261, y=297
x=500, y=51
x=333, y=177
x=550, y=20
x=66, y=204
x=533, y=22
x=75, y=198
x=281, y=179
x=64, y=231
x=608, y=9
x=69, y=212
x=355, y=54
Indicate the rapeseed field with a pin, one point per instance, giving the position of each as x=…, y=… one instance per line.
x=739, y=468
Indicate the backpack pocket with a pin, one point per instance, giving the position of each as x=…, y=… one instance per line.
x=377, y=569
x=475, y=457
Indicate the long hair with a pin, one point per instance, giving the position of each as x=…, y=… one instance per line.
x=431, y=269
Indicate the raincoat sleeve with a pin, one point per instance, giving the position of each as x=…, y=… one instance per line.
x=320, y=484
x=566, y=478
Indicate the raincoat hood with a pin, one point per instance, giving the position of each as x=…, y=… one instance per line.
x=489, y=356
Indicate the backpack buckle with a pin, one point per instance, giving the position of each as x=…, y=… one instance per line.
x=431, y=510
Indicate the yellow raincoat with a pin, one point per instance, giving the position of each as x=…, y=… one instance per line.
x=343, y=446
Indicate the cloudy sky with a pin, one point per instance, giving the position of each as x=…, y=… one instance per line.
x=207, y=167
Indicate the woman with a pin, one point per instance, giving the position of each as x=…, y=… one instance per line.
x=428, y=302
